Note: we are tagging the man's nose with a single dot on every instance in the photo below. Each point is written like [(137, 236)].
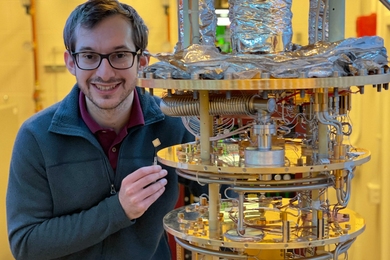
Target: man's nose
[(105, 70)]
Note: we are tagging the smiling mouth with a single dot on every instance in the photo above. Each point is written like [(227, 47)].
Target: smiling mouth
[(105, 87)]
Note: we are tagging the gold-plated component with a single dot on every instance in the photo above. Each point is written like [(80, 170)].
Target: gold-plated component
[(319, 214), (169, 156), (283, 216), (351, 221), (265, 84), (203, 201)]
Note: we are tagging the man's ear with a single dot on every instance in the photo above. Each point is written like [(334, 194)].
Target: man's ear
[(143, 62), (69, 62)]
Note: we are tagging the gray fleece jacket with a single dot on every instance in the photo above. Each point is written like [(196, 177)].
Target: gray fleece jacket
[(59, 198)]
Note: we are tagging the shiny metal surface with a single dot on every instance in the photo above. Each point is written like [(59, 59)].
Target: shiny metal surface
[(257, 157), (249, 184), (206, 251), (207, 21), (349, 57), (260, 26), (265, 84), (183, 229), (169, 157), (318, 21)]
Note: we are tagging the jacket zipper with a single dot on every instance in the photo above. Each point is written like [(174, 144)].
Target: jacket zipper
[(112, 186), (112, 191)]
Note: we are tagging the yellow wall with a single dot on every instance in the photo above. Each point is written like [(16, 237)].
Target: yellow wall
[(8, 114), (16, 77)]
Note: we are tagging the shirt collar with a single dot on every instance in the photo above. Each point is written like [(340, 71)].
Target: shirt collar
[(136, 116)]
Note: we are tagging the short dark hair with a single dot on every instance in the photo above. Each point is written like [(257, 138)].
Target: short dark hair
[(92, 12)]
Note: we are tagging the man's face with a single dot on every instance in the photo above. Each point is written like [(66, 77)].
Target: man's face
[(105, 87)]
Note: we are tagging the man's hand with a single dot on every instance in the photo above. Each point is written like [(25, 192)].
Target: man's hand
[(142, 188)]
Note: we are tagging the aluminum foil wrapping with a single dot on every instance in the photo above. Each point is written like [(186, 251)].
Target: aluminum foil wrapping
[(196, 59), (260, 26), (321, 59), (207, 22), (318, 21), (180, 43)]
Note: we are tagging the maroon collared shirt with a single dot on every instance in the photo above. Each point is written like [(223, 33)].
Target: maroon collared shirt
[(108, 139)]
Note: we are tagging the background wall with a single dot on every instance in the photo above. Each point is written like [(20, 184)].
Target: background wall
[(369, 113)]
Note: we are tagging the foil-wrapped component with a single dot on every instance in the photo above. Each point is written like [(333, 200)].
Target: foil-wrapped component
[(318, 21), (260, 26), (194, 55), (180, 43), (321, 59), (196, 59), (165, 70), (207, 22)]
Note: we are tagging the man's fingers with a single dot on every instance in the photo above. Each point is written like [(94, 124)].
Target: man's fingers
[(142, 188), (142, 172)]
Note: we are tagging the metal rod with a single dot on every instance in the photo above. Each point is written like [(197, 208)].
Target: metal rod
[(195, 22), (205, 126), (214, 210), (231, 177), (240, 225), (205, 251), (186, 25), (278, 189)]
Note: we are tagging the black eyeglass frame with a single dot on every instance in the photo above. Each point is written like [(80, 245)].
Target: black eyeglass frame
[(106, 56)]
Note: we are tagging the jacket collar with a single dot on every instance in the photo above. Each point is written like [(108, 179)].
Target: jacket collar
[(67, 119)]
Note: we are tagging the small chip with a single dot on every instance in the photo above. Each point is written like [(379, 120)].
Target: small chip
[(156, 142)]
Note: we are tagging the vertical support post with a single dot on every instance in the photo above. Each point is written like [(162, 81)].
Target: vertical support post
[(321, 225), (320, 99), (336, 24), (205, 132), (186, 24), (205, 126), (285, 227), (195, 36), (322, 130), (240, 224), (336, 20)]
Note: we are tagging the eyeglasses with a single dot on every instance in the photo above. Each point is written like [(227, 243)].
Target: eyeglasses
[(119, 60)]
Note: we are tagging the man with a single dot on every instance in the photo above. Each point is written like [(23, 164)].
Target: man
[(82, 182)]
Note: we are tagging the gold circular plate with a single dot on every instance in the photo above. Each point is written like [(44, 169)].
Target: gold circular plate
[(201, 236), (265, 84), (169, 156)]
